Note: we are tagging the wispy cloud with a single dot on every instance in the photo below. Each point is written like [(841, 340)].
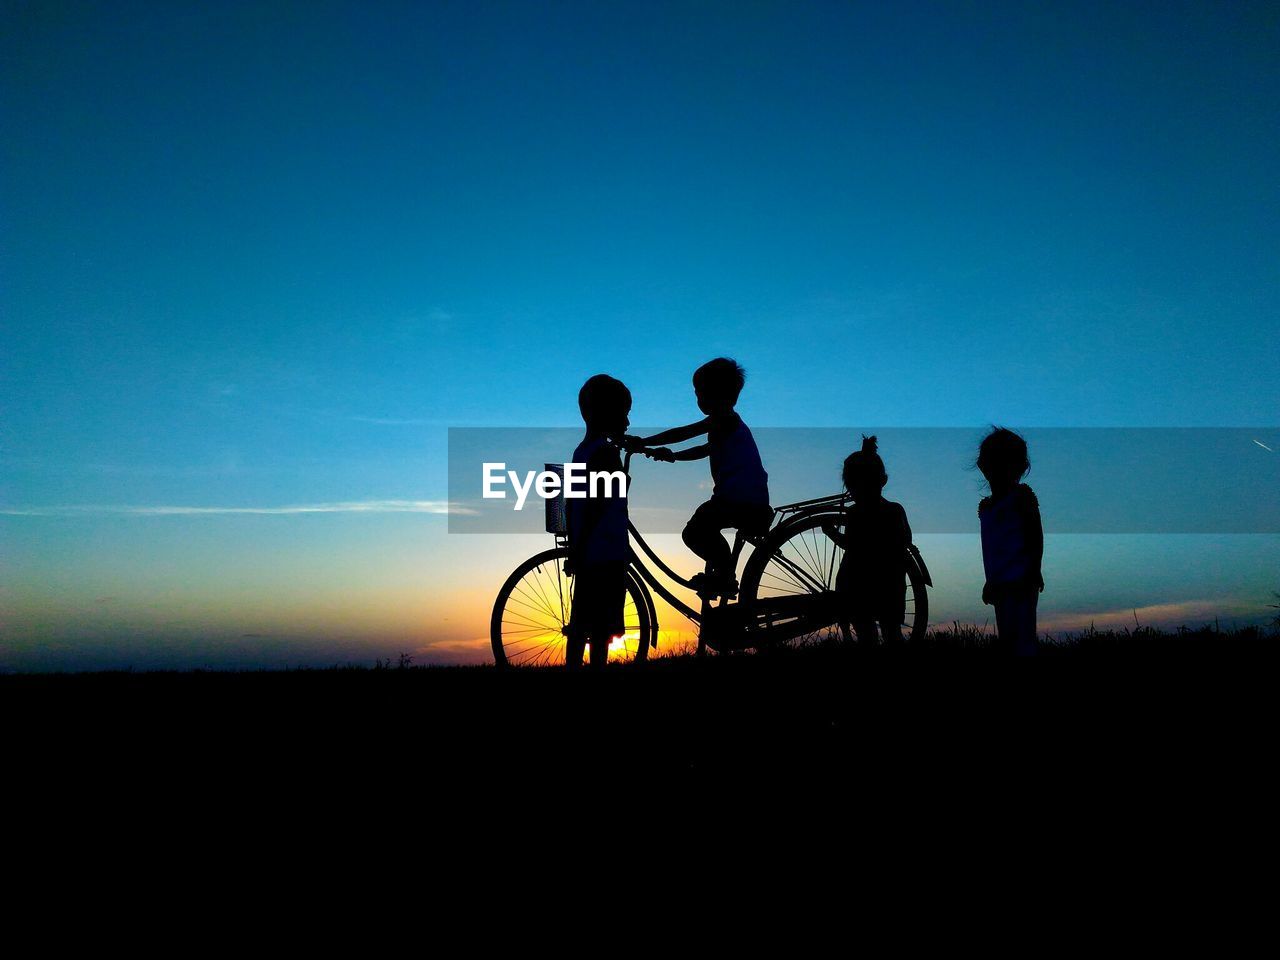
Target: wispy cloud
[(442, 507)]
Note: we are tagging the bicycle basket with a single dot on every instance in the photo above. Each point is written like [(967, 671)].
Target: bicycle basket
[(557, 520)]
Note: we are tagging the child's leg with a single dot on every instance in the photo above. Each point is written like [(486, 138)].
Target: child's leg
[(702, 536), (1016, 624), (1004, 626), (1025, 644), (605, 615), (865, 628), (573, 645), (893, 610), (599, 651)]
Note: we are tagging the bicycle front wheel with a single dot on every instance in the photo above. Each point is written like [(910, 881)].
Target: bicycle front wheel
[(533, 608)]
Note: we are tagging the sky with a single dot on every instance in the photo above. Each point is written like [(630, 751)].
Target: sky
[(262, 256)]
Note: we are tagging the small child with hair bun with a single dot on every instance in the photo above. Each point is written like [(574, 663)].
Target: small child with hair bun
[(872, 581), (1012, 541)]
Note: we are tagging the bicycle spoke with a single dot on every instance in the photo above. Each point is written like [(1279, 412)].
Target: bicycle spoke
[(819, 552), (560, 590), (789, 582), (542, 593), (524, 631), (534, 614), (544, 655), (526, 654), (538, 610), (524, 645), (791, 566), (804, 542), (535, 602), (831, 568), (812, 585), (517, 611)]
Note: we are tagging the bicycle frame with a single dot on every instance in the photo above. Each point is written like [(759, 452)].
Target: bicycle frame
[(654, 583), (783, 515)]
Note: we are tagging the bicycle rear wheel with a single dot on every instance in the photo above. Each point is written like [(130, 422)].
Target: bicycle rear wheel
[(798, 559), (527, 628)]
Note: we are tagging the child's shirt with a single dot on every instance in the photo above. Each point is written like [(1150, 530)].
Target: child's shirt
[(1006, 554), (736, 468), (877, 537), (606, 541)]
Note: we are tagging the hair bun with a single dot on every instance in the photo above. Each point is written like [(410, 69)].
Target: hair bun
[(868, 444)]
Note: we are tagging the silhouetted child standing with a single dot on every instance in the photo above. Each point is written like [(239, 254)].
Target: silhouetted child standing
[(597, 528), (1012, 541), (872, 580), (740, 497)]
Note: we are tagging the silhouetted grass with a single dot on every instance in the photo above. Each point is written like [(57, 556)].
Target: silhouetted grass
[(958, 640)]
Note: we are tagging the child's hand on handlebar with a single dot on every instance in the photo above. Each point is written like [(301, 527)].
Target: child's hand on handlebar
[(631, 444), (660, 453)]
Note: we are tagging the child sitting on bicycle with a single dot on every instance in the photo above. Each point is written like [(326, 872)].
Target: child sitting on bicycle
[(740, 497), (1012, 541), (597, 528), (872, 580)]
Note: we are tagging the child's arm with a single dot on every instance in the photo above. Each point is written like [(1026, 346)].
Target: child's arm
[(988, 590), (679, 434), (838, 538), (689, 453)]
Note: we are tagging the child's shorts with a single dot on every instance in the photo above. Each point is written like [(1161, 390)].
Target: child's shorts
[(599, 595)]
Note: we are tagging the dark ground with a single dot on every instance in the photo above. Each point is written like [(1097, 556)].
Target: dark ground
[(933, 730), (1124, 780)]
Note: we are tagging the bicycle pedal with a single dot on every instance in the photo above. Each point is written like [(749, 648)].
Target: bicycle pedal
[(709, 588)]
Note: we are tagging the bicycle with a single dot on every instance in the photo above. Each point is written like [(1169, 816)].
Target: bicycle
[(786, 595)]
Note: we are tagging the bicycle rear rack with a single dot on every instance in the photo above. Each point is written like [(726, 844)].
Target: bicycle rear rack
[(839, 500)]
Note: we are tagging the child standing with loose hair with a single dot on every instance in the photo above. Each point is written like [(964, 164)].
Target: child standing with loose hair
[(597, 528), (1012, 541), (872, 580)]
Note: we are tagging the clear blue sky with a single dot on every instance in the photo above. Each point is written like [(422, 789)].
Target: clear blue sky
[(258, 255)]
